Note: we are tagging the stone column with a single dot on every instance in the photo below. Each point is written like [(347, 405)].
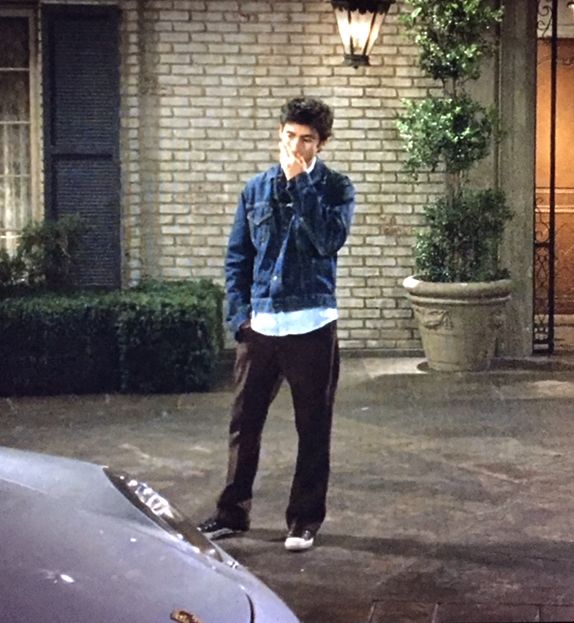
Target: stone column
[(516, 166), (148, 139)]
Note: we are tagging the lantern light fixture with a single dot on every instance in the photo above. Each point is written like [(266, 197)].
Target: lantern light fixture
[(570, 5), (359, 23)]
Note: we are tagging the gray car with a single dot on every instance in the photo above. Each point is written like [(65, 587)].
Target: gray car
[(80, 542)]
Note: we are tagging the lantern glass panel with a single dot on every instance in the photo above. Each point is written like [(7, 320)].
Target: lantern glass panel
[(358, 31)]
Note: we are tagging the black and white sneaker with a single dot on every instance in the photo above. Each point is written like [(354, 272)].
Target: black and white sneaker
[(214, 529), (299, 539)]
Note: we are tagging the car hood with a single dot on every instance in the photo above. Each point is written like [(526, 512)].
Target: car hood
[(75, 549)]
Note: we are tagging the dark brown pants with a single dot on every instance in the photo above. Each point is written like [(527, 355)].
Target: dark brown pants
[(310, 364)]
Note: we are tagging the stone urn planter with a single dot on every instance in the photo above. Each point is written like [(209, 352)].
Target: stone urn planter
[(458, 322)]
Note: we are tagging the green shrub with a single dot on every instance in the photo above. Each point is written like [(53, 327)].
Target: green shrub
[(11, 270), (169, 336), (463, 236), (45, 256), (454, 130), (452, 36), (155, 338), (464, 228), (53, 344)]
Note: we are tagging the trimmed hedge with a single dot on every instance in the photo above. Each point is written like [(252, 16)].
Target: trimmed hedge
[(157, 337)]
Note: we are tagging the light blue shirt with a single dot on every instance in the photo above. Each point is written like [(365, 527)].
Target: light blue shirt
[(292, 323), (295, 322)]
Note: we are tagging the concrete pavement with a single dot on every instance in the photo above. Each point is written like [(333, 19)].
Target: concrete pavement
[(447, 490)]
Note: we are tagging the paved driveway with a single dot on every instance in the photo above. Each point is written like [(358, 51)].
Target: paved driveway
[(445, 488)]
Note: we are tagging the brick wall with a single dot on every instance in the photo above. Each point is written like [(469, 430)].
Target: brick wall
[(203, 84)]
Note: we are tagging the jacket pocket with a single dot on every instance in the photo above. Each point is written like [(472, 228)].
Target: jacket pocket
[(260, 223)]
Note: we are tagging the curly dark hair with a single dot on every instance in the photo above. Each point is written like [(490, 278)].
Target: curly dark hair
[(309, 111)]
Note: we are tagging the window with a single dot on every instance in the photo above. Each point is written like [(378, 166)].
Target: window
[(17, 184)]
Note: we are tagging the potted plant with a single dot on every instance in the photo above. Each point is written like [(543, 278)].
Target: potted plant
[(459, 290)]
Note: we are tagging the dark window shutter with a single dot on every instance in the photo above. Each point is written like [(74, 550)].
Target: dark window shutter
[(81, 132)]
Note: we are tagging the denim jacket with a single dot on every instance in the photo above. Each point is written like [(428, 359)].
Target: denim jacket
[(282, 250)]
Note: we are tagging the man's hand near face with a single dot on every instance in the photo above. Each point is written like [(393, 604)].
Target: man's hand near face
[(291, 163)]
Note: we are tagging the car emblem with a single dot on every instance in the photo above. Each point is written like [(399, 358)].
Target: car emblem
[(181, 616)]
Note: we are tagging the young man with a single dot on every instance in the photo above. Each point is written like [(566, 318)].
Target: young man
[(280, 279)]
